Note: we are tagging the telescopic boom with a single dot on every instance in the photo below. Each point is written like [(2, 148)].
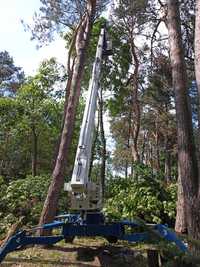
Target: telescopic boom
[(86, 195)]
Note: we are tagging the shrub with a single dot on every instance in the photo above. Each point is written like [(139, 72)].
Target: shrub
[(147, 197), (24, 197)]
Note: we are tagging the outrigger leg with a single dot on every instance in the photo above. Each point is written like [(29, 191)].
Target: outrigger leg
[(74, 225)]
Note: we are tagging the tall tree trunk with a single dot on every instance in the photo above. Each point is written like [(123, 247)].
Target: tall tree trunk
[(157, 149), (70, 69), (188, 167), (197, 53), (143, 157), (135, 103), (168, 167), (150, 155), (34, 151), (126, 169), (197, 67), (127, 163), (82, 40), (181, 223), (167, 160)]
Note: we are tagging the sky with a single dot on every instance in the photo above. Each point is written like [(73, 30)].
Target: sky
[(17, 42)]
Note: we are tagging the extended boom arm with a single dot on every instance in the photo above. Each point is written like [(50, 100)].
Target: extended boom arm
[(86, 195)]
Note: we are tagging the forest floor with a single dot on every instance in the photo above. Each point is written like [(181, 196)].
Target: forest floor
[(82, 253)]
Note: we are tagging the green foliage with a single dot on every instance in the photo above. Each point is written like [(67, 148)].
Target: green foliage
[(145, 197), (11, 77), (3, 187), (91, 51), (24, 198), (169, 204), (36, 110), (59, 16)]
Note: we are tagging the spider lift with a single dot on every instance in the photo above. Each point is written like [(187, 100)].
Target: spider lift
[(86, 196)]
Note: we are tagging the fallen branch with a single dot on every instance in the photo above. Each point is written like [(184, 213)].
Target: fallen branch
[(13, 229)]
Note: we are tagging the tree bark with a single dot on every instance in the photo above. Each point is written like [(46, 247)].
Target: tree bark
[(67, 93), (82, 40), (34, 151), (168, 167), (188, 167), (197, 53), (143, 157), (127, 163), (181, 224), (197, 67), (135, 103), (167, 161), (157, 148)]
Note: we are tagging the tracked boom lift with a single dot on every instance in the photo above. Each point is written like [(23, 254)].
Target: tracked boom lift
[(86, 196)]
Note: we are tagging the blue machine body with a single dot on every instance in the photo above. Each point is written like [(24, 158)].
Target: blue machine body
[(72, 225)]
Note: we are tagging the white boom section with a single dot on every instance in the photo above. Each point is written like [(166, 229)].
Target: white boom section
[(79, 181)]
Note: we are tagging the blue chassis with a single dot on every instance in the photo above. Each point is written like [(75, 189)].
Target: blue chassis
[(94, 225)]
